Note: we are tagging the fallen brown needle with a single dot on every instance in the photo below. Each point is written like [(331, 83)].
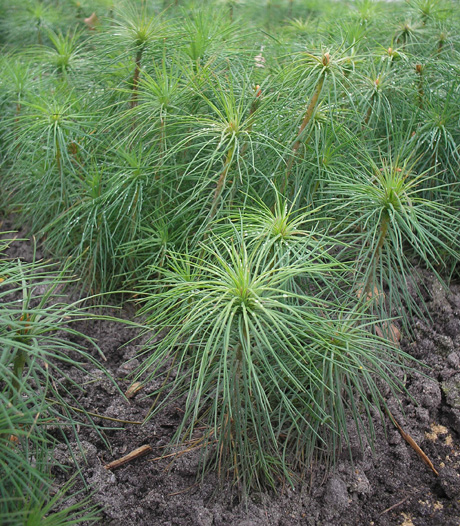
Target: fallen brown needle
[(413, 444), (139, 452)]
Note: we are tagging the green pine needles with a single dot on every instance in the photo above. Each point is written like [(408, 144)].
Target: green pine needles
[(267, 370)]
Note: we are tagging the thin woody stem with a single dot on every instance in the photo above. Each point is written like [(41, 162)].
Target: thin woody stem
[(307, 118), (221, 182), (137, 72), (368, 289), (18, 368), (440, 46), (368, 113), (217, 193), (419, 70), (58, 157), (252, 110)]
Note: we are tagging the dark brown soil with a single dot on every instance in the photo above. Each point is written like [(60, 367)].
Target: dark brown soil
[(387, 486)]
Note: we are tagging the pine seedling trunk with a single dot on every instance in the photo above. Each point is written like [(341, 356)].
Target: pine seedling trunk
[(307, 118)]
